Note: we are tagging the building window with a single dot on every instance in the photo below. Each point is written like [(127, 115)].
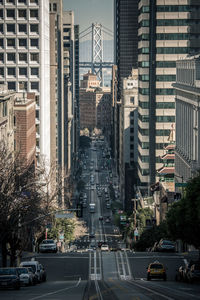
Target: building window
[(22, 42), (34, 43), (23, 71), (1, 43), (12, 85), (34, 13), (11, 28), (1, 71), (172, 50), (34, 57), (22, 1), (10, 13), (34, 1), (23, 85), (22, 28), (11, 57), (1, 28), (54, 7), (5, 109), (132, 100), (10, 1), (165, 77), (22, 13), (11, 42), (1, 57), (34, 28), (23, 57), (165, 64), (145, 50), (1, 13), (165, 92), (144, 77), (167, 119), (35, 71), (35, 86), (173, 22), (11, 71)]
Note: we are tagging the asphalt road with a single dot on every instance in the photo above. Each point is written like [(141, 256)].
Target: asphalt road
[(98, 275)]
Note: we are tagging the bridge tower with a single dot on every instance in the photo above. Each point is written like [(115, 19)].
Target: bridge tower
[(97, 51)]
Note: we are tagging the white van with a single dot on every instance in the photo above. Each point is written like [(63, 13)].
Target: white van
[(35, 265)]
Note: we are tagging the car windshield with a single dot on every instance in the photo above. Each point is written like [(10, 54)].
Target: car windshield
[(30, 269), (7, 271), (168, 243), (156, 266), (22, 270), (48, 242), (32, 266)]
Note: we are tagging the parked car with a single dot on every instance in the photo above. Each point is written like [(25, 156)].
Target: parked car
[(48, 246), (166, 246), (34, 275), (35, 265), (194, 273), (9, 278), (156, 270), (26, 276)]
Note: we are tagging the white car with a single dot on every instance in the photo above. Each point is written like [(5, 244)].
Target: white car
[(26, 277), (104, 247), (48, 246)]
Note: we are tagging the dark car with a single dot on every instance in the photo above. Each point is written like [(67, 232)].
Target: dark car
[(9, 278), (166, 246), (194, 273)]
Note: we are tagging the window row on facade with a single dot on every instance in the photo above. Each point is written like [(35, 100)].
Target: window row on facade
[(22, 57), (165, 50), (23, 71), (21, 42), (159, 105), (145, 91), (14, 28), (166, 8), (145, 77), (159, 64), (159, 132), (23, 85), (167, 119), (14, 2), (11, 13)]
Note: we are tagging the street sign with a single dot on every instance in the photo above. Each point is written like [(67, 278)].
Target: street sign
[(64, 216), (180, 184)]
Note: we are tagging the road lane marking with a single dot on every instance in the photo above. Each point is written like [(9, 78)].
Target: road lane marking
[(150, 290), (58, 291)]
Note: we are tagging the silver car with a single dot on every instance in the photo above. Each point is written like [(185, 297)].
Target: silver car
[(48, 246), (26, 277)]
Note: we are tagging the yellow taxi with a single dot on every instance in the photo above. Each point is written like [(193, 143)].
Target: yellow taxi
[(156, 270)]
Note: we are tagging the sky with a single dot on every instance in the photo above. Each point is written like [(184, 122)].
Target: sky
[(87, 12)]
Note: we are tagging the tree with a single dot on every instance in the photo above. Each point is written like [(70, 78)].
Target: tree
[(27, 197), (183, 219)]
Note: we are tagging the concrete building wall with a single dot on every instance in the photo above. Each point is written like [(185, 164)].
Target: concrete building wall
[(24, 60), (187, 86), (165, 34)]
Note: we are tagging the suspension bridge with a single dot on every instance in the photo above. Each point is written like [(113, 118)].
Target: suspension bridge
[(97, 63)]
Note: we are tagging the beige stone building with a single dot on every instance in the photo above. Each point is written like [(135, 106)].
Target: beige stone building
[(7, 116), (95, 105)]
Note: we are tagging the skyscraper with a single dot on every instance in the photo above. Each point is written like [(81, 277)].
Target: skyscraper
[(24, 58), (167, 33)]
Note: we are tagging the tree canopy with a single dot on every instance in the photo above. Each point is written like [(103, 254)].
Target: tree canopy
[(183, 219)]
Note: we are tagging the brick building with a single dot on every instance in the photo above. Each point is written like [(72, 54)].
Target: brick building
[(24, 127)]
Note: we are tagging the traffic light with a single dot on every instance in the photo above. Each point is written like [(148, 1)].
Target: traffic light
[(79, 210)]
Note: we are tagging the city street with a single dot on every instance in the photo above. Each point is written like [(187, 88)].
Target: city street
[(90, 273)]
